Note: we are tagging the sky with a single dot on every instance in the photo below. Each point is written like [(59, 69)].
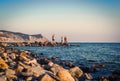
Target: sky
[(79, 20)]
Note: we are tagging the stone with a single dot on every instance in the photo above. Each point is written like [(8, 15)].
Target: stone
[(56, 68), (88, 76), (4, 55), (76, 72), (46, 77), (98, 66), (3, 78), (2, 49), (29, 79), (19, 68), (10, 74), (64, 75), (50, 64), (3, 64), (13, 56)]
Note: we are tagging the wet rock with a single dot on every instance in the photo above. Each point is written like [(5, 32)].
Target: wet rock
[(3, 64), (115, 76), (88, 70), (76, 72), (98, 66), (104, 79), (88, 76), (64, 75), (46, 77), (54, 58)]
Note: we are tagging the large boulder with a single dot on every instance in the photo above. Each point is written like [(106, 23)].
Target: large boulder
[(3, 64), (56, 68), (64, 75), (76, 72), (3, 78), (10, 74), (46, 77)]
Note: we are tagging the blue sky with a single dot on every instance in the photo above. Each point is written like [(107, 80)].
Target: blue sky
[(80, 20)]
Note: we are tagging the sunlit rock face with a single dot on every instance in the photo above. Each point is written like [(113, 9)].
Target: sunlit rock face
[(8, 36)]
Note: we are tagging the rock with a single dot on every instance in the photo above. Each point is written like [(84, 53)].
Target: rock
[(10, 74), (29, 79), (34, 61), (56, 68), (5, 55), (46, 77), (76, 72), (37, 71), (3, 78), (2, 49), (50, 64), (3, 64), (88, 76), (98, 66), (64, 75), (13, 56), (19, 68)]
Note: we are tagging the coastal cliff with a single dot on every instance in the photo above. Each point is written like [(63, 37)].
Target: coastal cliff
[(8, 36)]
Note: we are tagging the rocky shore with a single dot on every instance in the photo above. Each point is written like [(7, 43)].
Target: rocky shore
[(22, 65)]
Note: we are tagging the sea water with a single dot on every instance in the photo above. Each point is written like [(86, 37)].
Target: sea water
[(87, 54)]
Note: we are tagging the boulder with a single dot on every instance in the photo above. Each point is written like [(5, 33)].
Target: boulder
[(88, 76), (46, 77), (4, 55), (3, 64), (13, 56), (10, 74), (3, 78), (19, 68), (64, 75), (56, 68), (76, 72)]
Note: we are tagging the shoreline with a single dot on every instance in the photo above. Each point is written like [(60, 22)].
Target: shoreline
[(18, 64)]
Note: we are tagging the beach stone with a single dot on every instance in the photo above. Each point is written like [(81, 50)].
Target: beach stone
[(37, 71), (29, 79), (19, 68), (2, 49), (10, 74), (3, 64), (3, 78), (98, 66), (88, 76), (34, 61), (5, 55), (50, 64), (56, 68), (46, 77), (64, 75), (76, 72), (13, 56)]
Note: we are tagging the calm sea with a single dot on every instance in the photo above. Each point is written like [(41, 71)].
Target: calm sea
[(87, 54)]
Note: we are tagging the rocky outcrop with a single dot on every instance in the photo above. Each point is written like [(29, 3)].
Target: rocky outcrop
[(8, 36)]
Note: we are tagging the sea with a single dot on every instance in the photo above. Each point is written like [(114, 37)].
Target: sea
[(87, 54)]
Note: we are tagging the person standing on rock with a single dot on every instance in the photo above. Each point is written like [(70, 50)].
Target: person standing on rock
[(65, 40)]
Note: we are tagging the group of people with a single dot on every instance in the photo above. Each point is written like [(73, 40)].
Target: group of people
[(63, 39)]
